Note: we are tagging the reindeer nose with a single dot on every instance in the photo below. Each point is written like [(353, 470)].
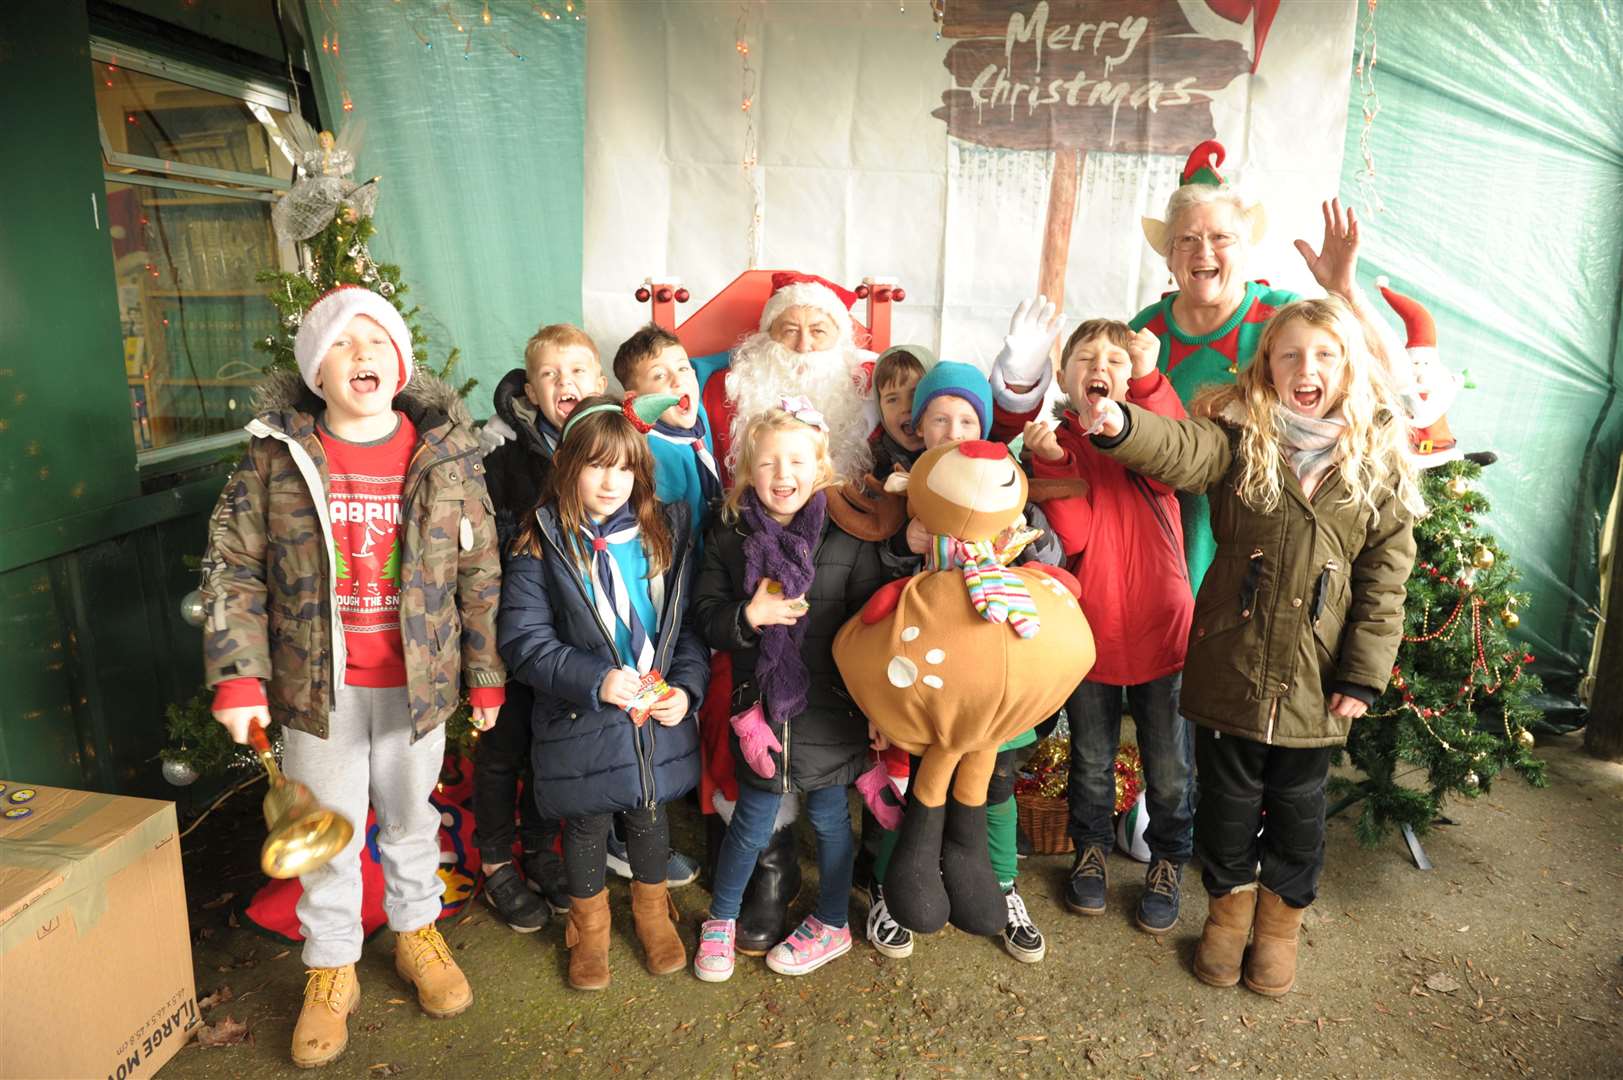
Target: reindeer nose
[(983, 449)]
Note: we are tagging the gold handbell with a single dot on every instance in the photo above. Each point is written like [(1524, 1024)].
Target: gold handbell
[(303, 835)]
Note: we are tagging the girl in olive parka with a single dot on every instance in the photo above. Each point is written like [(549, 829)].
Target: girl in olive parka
[(1299, 618)]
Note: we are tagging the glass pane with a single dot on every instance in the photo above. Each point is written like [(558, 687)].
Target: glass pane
[(191, 310), (153, 117)]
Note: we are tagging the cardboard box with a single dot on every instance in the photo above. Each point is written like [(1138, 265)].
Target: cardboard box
[(95, 950)]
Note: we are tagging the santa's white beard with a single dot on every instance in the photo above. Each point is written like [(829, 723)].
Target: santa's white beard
[(763, 373)]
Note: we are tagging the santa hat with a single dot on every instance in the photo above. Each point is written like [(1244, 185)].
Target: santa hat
[(332, 312), (808, 290)]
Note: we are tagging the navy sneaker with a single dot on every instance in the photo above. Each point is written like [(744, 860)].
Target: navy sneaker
[(1085, 891), (1158, 907), (679, 869)]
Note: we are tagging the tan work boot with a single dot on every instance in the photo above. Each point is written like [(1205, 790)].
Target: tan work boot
[(1222, 942), (654, 912), (588, 939), (322, 1032), (1271, 967), (423, 959)]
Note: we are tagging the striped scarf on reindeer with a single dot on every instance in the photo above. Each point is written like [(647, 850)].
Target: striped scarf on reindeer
[(997, 592)]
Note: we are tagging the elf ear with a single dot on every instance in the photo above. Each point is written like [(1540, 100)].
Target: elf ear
[(896, 483), (1257, 218), (1156, 233)]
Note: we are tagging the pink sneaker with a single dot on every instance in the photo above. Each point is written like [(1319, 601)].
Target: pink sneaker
[(808, 948), (714, 960)]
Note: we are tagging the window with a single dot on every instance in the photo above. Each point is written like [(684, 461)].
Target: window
[(193, 160)]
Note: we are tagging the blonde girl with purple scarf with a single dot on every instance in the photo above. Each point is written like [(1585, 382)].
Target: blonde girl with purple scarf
[(1299, 618), (779, 579)]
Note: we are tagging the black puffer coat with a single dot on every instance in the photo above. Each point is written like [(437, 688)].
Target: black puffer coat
[(516, 472), (825, 745)]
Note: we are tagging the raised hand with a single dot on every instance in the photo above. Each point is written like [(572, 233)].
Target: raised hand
[(1144, 351), (1335, 264), (1023, 360)]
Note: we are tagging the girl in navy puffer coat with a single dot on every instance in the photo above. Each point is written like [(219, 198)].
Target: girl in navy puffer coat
[(592, 617)]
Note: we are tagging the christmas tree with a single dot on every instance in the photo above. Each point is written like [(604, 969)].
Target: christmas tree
[(1459, 703)]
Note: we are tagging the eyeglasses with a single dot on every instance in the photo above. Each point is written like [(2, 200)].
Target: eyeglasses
[(1187, 242)]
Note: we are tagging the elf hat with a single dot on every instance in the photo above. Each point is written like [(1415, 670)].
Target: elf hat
[(332, 312), (808, 290), (1201, 168), (955, 379)]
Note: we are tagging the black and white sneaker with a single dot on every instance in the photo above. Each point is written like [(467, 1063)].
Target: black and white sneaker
[(545, 872), (518, 907), (680, 870), (884, 933), (1021, 937)]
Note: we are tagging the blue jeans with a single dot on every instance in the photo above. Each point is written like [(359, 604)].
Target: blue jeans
[(1166, 744), (750, 831)]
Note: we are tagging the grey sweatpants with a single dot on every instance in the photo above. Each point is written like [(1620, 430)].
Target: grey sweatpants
[(368, 758)]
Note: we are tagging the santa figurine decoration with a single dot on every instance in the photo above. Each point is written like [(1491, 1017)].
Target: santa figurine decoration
[(1432, 387)]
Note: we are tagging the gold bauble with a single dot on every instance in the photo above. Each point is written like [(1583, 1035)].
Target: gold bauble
[(1459, 487), (1482, 559), (1510, 619), (1524, 739)]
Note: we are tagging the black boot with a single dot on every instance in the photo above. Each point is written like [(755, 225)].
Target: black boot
[(978, 906), (715, 833), (763, 916), (913, 889)]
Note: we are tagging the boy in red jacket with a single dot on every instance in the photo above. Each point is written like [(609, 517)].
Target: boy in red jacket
[(1124, 543)]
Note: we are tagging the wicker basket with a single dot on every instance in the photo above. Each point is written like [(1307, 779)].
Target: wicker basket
[(1045, 819)]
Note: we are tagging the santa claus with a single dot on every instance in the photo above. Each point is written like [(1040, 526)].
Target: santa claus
[(804, 347)]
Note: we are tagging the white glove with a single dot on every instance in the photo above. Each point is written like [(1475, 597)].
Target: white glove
[(493, 433), (1023, 360)]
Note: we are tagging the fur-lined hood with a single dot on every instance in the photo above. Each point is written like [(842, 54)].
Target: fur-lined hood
[(285, 403)]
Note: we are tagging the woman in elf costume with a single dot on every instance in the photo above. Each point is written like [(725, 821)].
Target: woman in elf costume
[(1209, 324)]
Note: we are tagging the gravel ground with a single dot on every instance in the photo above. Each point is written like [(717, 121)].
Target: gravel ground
[(1503, 961)]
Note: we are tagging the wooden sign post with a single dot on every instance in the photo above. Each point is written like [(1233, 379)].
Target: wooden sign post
[(1123, 76)]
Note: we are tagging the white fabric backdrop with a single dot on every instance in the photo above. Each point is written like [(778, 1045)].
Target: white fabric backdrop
[(859, 178)]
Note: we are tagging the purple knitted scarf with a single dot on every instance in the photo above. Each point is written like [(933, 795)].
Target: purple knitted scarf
[(784, 554)]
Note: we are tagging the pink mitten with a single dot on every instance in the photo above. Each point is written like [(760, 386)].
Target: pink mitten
[(756, 741), (872, 785)]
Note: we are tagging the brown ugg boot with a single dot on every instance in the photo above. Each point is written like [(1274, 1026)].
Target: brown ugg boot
[(322, 1031), (1270, 969), (1222, 942), (588, 939), (422, 958), (654, 911)]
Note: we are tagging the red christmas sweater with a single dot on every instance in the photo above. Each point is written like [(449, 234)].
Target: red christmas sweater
[(1124, 543), (365, 483)]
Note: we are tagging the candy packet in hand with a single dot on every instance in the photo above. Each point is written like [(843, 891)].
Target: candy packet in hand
[(651, 689)]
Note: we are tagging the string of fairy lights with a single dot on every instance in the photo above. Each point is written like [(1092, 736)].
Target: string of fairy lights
[(467, 26), (1368, 55)]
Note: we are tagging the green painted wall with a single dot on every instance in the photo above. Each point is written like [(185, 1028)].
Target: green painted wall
[(65, 442)]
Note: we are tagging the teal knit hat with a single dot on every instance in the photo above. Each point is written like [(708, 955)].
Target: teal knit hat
[(956, 379)]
